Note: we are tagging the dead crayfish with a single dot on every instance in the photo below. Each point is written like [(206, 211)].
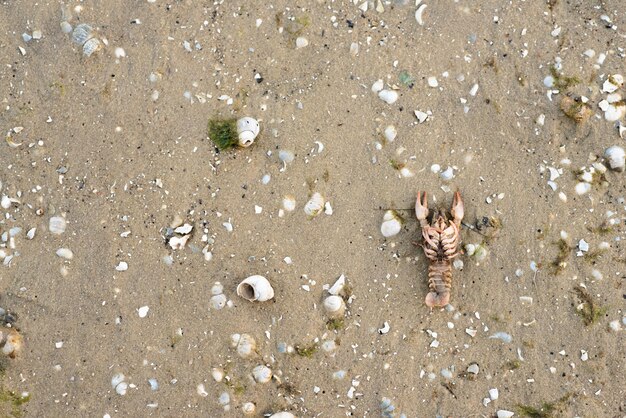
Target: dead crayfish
[(442, 240)]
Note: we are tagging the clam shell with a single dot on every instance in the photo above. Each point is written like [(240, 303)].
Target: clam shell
[(334, 306), (92, 45), (82, 33), (262, 374), (616, 157), (255, 288)]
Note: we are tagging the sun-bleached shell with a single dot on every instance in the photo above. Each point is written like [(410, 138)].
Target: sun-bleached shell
[(334, 306), (392, 224), (255, 288)]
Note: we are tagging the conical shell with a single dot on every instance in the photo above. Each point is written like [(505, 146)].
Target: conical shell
[(247, 128), (334, 306), (255, 288)]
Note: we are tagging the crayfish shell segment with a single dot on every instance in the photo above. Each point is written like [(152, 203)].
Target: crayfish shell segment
[(247, 129), (91, 46), (82, 33)]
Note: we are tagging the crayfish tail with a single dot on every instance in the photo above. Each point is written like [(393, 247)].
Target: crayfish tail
[(437, 300)]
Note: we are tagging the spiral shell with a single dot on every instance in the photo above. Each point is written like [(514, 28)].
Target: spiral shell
[(255, 288), (247, 129), (334, 306)]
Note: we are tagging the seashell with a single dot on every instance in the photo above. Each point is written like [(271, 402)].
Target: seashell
[(283, 415), (494, 394), (121, 389), (613, 83), (12, 344), (117, 379), (245, 344), (473, 368), (392, 224), (378, 86), (447, 174), (315, 205), (218, 302), (218, 374), (57, 225), (82, 33), (418, 14), (390, 133), (301, 42), (65, 253), (247, 128), (285, 156), (92, 45), (503, 413), (334, 306), (66, 27), (262, 374), (289, 203), (255, 288), (248, 408), (615, 157), (388, 96), (503, 336)]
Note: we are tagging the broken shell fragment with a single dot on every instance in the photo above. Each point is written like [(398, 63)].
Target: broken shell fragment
[(262, 374), (245, 344), (283, 415), (390, 133), (315, 205), (392, 224), (334, 306), (255, 288), (57, 225), (388, 96), (247, 129), (615, 157), (418, 14)]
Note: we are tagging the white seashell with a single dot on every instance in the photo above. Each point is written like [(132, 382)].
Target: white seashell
[(334, 306), (65, 253), (503, 413), (255, 288), (66, 27), (616, 157), (92, 45), (5, 202), (178, 243), (421, 116), (418, 14), (447, 174), (473, 368), (121, 389), (154, 384), (184, 230), (301, 42), (582, 188), (122, 266), (31, 233), (388, 96), (493, 394), (289, 203), (315, 205), (615, 112), (283, 415), (378, 86), (392, 224), (613, 83), (117, 379), (432, 82), (57, 225), (224, 399), (143, 311), (248, 408), (337, 287), (503, 336), (218, 374), (390, 133), (246, 345), (262, 374), (82, 33), (247, 128), (285, 156), (218, 301), (435, 168)]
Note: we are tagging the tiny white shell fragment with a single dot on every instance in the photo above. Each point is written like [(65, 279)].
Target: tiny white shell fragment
[(5, 202), (334, 306), (503, 336), (582, 188), (31, 233), (418, 14), (247, 128), (503, 413), (301, 42), (121, 389), (432, 82), (66, 27), (385, 329), (616, 157), (289, 203), (390, 133), (255, 288), (474, 90), (421, 116), (117, 379), (248, 408), (143, 311), (473, 368), (328, 209), (178, 243), (378, 86), (218, 374), (184, 230), (392, 224), (315, 205), (338, 286), (119, 52), (493, 394), (122, 266), (354, 48), (228, 226), (285, 156), (82, 33), (201, 391), (435, 168), (447, 174), (262, 374), (154, 384), (388, 96), (283, 414), (246, 345), (57, 225), (65, 253), (218, 302)]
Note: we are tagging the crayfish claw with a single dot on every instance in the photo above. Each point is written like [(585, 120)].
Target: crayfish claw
[(421, 207), (458, 209)]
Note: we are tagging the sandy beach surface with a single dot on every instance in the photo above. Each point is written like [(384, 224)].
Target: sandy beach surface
[(514, 104)]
